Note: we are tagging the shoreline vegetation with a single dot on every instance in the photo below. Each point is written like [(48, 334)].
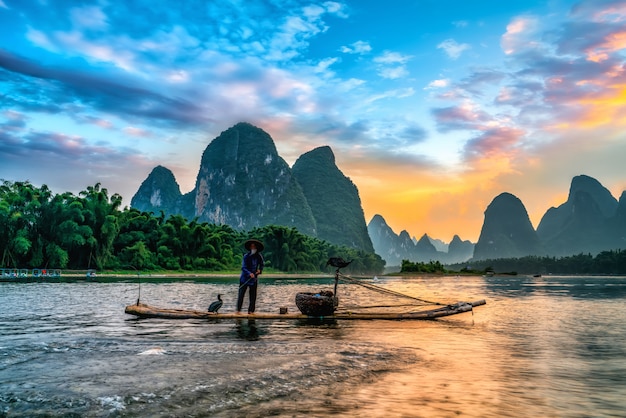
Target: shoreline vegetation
[(228, 276), (63, 232), (91, 230)]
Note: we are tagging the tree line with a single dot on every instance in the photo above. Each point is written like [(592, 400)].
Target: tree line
[(40, 229), (605, 262), (421, 267)]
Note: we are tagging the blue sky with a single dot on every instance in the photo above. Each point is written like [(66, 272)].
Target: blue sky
[(432, 108)]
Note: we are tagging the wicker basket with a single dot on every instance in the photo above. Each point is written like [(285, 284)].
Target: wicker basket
[(317, 304)]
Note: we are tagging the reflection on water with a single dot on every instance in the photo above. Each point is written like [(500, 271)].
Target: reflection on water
[(549, 346), (247, 329)]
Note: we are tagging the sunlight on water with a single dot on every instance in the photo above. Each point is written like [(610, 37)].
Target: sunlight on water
[(551, 346)]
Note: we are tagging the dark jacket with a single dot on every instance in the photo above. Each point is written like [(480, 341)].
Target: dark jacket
[(251, 263)]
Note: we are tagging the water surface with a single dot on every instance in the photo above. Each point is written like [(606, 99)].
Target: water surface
[(548, 346)]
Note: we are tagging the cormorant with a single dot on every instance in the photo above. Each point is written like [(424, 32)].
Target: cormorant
[(338, 262), (215, 306)]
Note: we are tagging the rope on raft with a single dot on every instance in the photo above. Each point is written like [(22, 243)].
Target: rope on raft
[(379, 289)]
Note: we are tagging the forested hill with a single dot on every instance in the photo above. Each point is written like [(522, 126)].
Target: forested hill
[(243, 182), (40, 229), (333, 198)]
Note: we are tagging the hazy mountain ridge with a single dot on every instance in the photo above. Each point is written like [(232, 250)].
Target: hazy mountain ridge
[(590, 221), (394, 248), (583, 222)]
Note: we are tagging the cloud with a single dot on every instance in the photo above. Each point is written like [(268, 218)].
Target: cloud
[(40, 39), (358, 47), (393, 72), (324, 65), (293, 34), (15, 121), (361, 139), (493, 143), (481, 80), (466, 116), (520, 93), (452, 48), (326, 128), (10, 145), (137, 132), (600, 10), (89, 18), (38, 146), (575, 78), (101, 92), (601, 40), (437, 84), (413, 134), (558, 78), (520, 35), (393, 94), (173, 75), (390, 65), (390, 57), (350, 84), (70, 163), (93, 120)]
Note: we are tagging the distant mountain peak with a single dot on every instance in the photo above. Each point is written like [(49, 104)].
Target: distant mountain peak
[(323, 152), (244, 183), (333, 198), (600, 194), (158, 192), (395, 248), (507, 231), (582, 223)]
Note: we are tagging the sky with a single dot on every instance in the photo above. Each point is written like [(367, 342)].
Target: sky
[(432, 108)]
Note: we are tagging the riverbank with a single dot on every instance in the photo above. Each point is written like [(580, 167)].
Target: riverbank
[(74, 276), (106, 276)]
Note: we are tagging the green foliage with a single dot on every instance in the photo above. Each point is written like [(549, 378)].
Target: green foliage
[(606, 262), (288, 250), (419, 267), (38, 229)]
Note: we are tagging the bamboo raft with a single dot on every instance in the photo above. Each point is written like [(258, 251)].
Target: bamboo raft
[(142, 310)]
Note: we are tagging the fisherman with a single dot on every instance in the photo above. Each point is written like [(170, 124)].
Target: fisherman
[(251, 268)]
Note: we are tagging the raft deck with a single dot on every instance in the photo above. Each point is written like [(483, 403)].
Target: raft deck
[(145, 311)]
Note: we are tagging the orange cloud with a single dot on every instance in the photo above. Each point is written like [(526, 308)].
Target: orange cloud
[(605, 109), (612, 43)]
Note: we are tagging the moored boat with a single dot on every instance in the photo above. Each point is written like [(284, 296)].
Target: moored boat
[(23, 275)]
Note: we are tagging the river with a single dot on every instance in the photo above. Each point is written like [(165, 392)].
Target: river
[(549, 346)]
